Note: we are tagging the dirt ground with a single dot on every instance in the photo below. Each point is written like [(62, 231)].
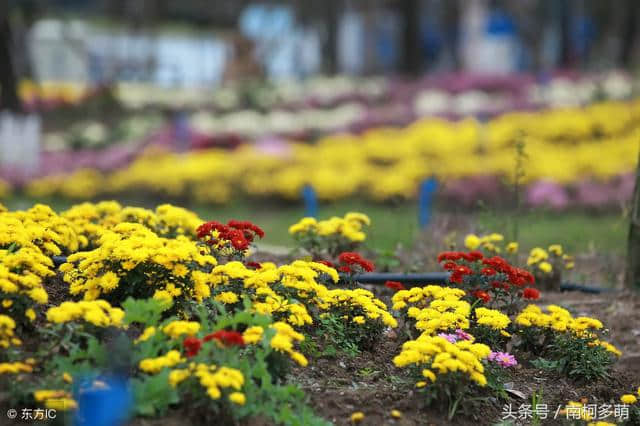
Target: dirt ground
[(370, 382)]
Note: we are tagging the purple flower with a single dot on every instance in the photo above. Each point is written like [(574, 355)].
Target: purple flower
[(452, 338), (503, 359), (463, 335)]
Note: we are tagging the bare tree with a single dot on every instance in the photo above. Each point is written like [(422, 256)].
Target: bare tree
[(633, 246), (8, 93), (331, 15), (411, 57)]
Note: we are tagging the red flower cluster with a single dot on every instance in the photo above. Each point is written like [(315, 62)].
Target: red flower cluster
[(394, 285), (531, 293), (325, 263), (484, 275), (239, 233), (454, 256), (483, 295), (227, 338), (349, 259), (192, 345)]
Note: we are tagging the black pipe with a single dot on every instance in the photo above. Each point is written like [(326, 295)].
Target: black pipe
[(58, 260), (410, 279), (414, 280)]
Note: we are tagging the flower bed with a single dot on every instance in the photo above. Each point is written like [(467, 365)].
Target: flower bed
[(165, 315), (571, 157)]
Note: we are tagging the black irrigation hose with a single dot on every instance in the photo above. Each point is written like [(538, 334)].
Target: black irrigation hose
[(58, 260), (412, 280)]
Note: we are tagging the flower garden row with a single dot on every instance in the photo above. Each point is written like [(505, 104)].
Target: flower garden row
[(174, 307), (465, 91), (566, 147)]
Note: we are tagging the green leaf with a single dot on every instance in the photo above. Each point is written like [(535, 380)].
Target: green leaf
[(153, 394), (144, 311)]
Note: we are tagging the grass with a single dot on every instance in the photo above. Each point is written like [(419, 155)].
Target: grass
[(577, 231)]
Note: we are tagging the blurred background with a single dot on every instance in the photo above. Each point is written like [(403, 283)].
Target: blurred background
[(512, 110)]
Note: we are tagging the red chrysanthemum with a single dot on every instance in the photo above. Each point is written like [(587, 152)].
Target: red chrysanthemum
[(531, 293), (227, 338), (394, 285), (192, 346), (352, 258), (450, 266), (475, 255), (456, 278), (496, 284), (349, 257), (463, 270), (449, 255), (325, 263), (253, 265), (367, 265), (483, 295), (488, 271), (238, 240)]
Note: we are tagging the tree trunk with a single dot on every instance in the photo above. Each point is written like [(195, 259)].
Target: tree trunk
[(331, 41), (8, 94), (633, 247), (411, 58), (629, 31)]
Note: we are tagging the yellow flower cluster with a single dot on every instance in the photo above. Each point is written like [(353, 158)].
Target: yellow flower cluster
[(27, 240), (7, 332), (41, 226), (438, 354), (97, 312), (359, 305), (441, 315), (545, 260), (167, 264), (487, 242), (175, 329), (434, 308), (90, 220), (21, 273), (561, 320), (212, 378), (270, 287), (283, 341), (422, 296), (608, 346), (15, 367), (628, 399), (558, 319), (348, 227), (492, 318), (55, 399), (146, 334), (253, 335), (155, 365)]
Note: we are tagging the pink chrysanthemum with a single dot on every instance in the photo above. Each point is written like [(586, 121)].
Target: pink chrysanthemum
[(503, 359)]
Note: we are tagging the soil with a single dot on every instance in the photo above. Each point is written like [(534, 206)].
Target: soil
[(370, 383)]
